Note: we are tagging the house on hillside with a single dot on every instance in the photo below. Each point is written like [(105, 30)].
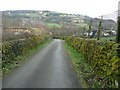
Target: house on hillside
[(109, 33)]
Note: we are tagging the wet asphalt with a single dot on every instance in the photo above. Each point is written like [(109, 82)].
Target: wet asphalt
[(49, 68)]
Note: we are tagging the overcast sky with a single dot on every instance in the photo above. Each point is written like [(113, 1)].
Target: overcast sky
[(92, 8)]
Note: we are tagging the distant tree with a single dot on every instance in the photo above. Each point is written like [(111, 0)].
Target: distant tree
[(83, 33), (99, 29), (6, 21), (89, 29)]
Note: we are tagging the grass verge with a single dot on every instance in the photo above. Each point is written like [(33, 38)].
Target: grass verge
[(78, 62), (0, 67), (20, 59)]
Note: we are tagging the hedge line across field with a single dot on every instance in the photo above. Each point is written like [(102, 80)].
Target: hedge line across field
[(102, 57)]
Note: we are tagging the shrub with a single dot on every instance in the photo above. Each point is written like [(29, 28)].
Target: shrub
[(102, 57), (13, 49)]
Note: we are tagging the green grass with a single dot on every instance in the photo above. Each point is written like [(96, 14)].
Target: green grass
[(78, 61), (53, 25), (0, 67), (0, 60), (106, 38), (21, 59), (82, 25)]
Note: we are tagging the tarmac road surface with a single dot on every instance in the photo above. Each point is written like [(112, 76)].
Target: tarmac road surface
[(49, 68)]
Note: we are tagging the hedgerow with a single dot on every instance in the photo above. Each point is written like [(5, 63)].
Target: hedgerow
[(13, 49), (102, 58)]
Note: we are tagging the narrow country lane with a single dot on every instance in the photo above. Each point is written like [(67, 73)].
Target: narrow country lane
[(49, 68)]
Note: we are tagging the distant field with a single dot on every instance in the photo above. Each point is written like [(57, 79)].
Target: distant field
[(36, 31), (107, 38), (26, 15), (52, 25), (83, 25)]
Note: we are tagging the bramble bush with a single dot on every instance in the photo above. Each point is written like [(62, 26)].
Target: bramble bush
[(103, 59)]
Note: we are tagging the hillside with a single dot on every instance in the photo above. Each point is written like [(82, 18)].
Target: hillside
[(28, 18)]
